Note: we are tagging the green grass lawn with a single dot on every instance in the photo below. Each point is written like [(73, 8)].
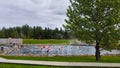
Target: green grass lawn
[(110, 59), (2, 65), (5, 65), (45, 41)]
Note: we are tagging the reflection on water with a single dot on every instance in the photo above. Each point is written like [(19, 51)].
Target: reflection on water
[(61, 50)]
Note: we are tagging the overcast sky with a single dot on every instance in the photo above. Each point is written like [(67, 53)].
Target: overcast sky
[(45, 13)]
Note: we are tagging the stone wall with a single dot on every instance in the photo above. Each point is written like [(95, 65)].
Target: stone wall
[(11, 41)]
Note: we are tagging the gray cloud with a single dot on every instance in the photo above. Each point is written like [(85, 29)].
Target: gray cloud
[(45, 13)]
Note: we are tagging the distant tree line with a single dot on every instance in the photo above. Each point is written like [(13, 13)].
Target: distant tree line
[(36, 32)]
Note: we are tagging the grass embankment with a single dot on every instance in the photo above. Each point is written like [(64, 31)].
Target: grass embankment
[(110, 59), (45, 41)]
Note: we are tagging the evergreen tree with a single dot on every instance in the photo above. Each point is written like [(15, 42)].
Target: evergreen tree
[(26, 30), (35, 32)]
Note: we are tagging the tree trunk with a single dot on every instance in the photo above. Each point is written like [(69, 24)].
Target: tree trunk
[(97, 54)]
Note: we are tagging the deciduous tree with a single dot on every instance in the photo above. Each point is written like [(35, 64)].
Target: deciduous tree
[(96, 21)]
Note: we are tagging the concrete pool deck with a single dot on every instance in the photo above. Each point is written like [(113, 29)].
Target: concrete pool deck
[(54, 63)]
